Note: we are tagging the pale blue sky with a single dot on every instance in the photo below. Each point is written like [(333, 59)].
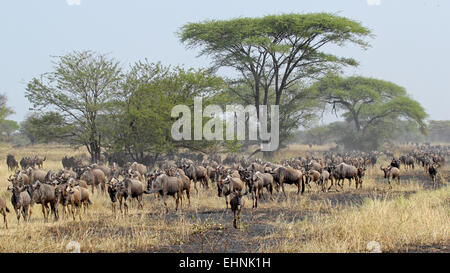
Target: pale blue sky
[(410, 47)]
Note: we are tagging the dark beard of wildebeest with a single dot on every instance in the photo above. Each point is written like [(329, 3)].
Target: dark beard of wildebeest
[(229, 185), (3, 210), (166, 185), (258, 182), (11, 162), (288, 175), (45, 195), (21, 202)]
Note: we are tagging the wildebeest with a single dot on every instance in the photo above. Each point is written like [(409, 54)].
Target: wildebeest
[(391, 172), (432, 171), (118, 193), (141, 168), (27, 162), (45, 195), (288, 175), (196, 173), (236, 204), (3, 210), (228, 185), (71, 162), (344, 171), (11, 162), (258, 182), (21, 202), (94, 177), (167, 185), (39, 161), (36, 175)]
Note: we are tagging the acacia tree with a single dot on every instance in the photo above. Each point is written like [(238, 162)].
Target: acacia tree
[(373, 106), (140, 117), (79, 89), (275, 52)]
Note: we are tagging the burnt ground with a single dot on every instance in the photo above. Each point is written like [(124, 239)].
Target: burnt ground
[(217, 234)]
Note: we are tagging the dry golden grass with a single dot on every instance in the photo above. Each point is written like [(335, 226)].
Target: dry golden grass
[(409, 214)]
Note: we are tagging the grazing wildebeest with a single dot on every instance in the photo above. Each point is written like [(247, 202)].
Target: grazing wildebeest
[(391, 172), (288, 175), (3, 210), (236, 204), (11, 162), (166, 185)]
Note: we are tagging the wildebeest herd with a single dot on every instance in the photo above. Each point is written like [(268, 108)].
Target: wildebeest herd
[(71, 187)]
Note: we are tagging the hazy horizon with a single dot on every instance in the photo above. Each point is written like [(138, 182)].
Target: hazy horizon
[(408, 48)]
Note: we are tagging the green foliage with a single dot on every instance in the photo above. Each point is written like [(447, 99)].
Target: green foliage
[(7, 129), (48, 127), (79, 88), (276, 54), (374, 107), (141, 121)]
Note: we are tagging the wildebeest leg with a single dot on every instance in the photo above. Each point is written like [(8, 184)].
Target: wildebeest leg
[(3, 211), (113, 208), (226, 202), (176, 197), (165, 202), (44, 210), (29, 210), (188, 194), (17, 214), (195, 186), (125, 204), (140, 204), (282, 188), (24, 215)]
